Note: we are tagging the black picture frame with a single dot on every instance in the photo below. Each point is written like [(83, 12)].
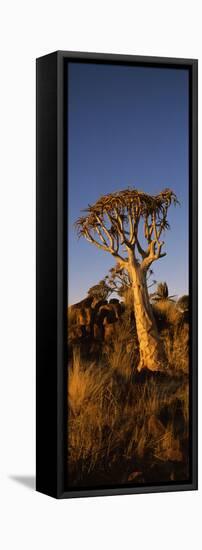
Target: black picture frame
[(51, 271)]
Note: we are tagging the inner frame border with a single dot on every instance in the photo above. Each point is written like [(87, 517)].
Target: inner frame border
[(63, 58)]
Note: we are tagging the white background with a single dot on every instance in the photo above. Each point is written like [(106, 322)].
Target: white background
[(27, 30)]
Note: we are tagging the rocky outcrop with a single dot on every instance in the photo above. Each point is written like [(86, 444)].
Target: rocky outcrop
[(94, 318)]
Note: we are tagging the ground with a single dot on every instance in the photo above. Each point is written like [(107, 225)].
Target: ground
[(126, 427)]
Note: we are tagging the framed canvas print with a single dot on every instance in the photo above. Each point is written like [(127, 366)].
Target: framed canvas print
[(116, 274)]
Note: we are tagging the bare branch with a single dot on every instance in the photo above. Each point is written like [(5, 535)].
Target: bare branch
[(91, 239), (131, 227), (154, 253), (114, 253), (140, 249), (101, 222), (100, 235)]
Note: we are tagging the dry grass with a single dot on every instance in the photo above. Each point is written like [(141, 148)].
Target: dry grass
[(174, 330), (92, 407), (176, 344), (122, 352), (123, 427), (117, 425), (83, 387), (166, 311)]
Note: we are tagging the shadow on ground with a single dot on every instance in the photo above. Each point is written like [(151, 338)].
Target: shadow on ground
[(27, 481)]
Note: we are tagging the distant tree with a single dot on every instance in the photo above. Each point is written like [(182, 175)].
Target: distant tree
[(116, 282), (162, 293), (113, 225), (101, 291), (120, 282)]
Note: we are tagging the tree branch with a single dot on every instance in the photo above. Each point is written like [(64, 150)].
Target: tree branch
[(114, 253), (93, 240), (105, 230), (121, 229), (153, 254), (100, 235)]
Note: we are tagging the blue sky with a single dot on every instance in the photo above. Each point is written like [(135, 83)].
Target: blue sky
[(127, 126)]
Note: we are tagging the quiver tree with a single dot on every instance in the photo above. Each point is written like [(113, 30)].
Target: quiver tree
[(117, 282), (129, 225), (120, 282)]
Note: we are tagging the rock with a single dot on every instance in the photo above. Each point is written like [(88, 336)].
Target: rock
[(108, 331), (76, 332), (97, 331)]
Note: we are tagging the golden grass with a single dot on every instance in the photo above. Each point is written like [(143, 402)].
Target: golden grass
[(83, 387), (176, 346), (122, 353), (166, 310), (114, 423), (118, 423)]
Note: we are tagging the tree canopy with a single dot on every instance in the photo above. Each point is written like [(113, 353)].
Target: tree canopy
[(113, 222)]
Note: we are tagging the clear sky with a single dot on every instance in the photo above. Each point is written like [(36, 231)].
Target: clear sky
[(127, 126)]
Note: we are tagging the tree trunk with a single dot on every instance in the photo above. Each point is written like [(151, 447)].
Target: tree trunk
[(151, 347)]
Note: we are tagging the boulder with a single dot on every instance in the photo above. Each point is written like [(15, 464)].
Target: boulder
[(97, 331), (108, 330)]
